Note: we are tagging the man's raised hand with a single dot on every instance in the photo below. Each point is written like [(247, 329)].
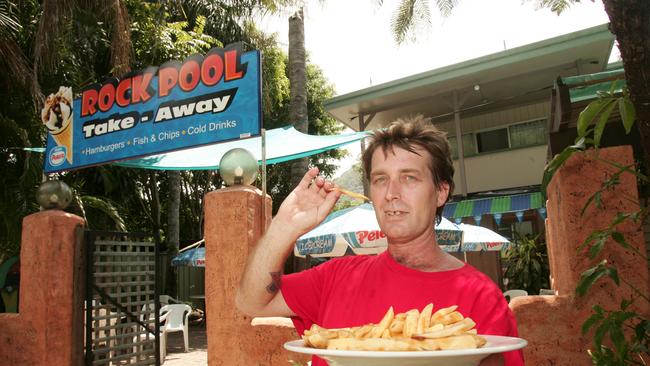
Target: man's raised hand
[(308, 204)]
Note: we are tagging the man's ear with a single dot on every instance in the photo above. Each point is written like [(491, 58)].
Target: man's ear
[(443, 192)]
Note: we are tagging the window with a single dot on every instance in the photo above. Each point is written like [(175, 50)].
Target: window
[(492, 140), (469, 147), (528, 133), (531, 133)]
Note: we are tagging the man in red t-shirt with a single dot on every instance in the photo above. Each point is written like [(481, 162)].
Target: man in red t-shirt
[(410, 173)]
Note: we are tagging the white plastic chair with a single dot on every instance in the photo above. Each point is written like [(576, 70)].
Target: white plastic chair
[(149, 309), (177, 320), (511, 294), (166, 300)]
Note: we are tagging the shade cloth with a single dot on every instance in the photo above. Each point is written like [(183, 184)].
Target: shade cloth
[(282, 144)]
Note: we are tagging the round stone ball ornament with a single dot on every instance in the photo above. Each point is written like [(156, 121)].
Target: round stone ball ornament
[(54, 195), (238, 166)]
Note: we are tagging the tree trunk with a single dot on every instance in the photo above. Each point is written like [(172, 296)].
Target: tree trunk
[(630, 23), (173, 226), (155, 202), (298, 93)]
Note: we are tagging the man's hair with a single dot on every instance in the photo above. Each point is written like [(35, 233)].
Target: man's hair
[(408, 134)]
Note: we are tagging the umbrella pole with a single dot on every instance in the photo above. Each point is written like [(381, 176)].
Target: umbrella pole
[(263, 180)]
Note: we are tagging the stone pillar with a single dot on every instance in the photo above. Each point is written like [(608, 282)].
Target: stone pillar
[(552, 324), (47, 328), (233, 225)]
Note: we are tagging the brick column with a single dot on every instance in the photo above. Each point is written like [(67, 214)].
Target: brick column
[(47, 329), (233, 225), (552, 324)]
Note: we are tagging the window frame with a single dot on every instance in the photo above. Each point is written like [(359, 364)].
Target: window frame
[(473, 144), (504, 127), (507, 127)]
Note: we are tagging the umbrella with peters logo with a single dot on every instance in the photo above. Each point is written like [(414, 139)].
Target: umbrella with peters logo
[(357, 228), (192, 255)]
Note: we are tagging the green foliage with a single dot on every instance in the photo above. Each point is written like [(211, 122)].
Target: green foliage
[(352, 180), (620, 336), (626, 331), (106, 210), (8, 24), (158, 37), (527, 264), (411, 15), (597, 113), (113, 197), (275, 95), (593, 274), (556, 6)]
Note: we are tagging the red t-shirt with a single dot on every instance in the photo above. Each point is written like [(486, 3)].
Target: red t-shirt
[(357, 290)]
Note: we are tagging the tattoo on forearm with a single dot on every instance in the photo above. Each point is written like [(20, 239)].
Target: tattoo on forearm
[(276, 280)]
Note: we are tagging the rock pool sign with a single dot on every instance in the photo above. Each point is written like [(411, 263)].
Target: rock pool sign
[(200, 101)]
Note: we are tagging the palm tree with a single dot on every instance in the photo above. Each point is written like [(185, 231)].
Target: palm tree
[(298, 82), (173, 222), (47, 43)]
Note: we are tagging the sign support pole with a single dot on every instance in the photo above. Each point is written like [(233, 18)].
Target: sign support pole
[(263, 138)]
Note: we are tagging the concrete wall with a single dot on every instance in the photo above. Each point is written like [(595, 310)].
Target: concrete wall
[(233, 225), (507, 116), (48, 328), (552, 324), (505, 169)]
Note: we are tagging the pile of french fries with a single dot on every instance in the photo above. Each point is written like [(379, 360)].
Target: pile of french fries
[(414, 330)]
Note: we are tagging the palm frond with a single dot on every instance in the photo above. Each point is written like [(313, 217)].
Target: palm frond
[(410, 16), (422, 14), (11, 55), (276, 6), (556, 6), (377, 4), (106, 207), (8, 24), (446, 6), (15, 62), (402, 20)]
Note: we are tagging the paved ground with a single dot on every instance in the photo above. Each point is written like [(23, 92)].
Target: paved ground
[(198, 348)]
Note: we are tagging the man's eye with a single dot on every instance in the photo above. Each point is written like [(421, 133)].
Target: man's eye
[(409, 178), (379, 180)]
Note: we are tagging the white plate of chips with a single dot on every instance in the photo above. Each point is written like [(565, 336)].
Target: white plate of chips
[(457, 357)]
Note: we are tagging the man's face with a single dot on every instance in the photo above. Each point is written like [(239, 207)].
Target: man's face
[(403, 193)]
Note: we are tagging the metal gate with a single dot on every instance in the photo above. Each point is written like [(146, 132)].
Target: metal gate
[(122, 302)]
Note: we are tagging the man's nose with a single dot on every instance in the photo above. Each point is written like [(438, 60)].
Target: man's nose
[(394, 190)]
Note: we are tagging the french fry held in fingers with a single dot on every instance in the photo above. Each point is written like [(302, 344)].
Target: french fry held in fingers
[(414, 330), (356, 195)]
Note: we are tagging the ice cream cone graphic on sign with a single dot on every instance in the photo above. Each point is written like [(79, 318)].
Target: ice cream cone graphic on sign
[(57, 117)]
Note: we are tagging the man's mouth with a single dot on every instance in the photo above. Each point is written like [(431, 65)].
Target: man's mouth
[(395, 213)]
